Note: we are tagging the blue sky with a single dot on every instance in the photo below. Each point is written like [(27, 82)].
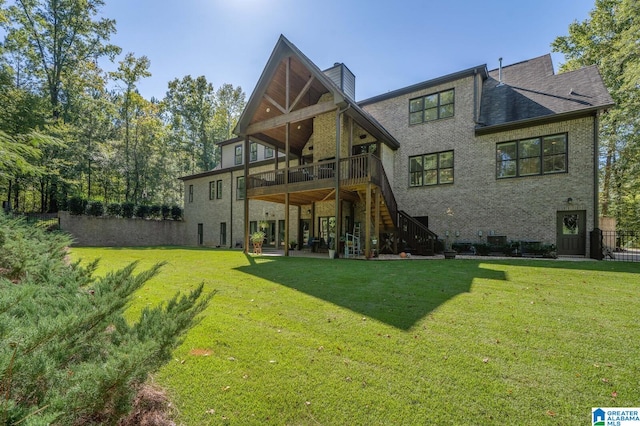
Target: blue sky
[(387, 44)]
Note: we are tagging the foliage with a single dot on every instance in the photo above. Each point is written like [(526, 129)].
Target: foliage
[(305, 341), (114, 209), (608, 39), (128, 209), (176, 212), (95, 208), (142, 211), (77, 205), (68, 354), (257, 237), (166, 211)]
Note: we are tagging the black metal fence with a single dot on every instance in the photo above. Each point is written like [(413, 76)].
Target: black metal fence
[(622, 246)]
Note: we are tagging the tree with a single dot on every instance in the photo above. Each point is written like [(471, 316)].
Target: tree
[(191, 103), (69, 356), (55, 38), (609, 39), (130, 71)]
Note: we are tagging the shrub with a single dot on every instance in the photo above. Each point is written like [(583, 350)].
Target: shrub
[(114, 209), (128, 209), (155, 211), (166, 211), (482, 249), (69, 356), (176, 212), (77, 206), (95, 208), (142, 211)]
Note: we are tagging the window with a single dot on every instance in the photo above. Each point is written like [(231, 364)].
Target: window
[(531, 157), (191, 193), (268, 152), (240, 188), (219, 189), (431, 107), (223, 233), (238, 156), (253, 152), (431, 169), (212, 190)]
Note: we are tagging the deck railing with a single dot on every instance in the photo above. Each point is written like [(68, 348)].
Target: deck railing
[(353, 170), (420, 239)]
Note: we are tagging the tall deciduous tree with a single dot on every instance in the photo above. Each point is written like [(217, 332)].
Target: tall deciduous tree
[(55, 38), (129, 73), (609, 38)]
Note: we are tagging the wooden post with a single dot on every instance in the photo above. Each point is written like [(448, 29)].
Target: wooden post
[(286, 182), (367, 222), (246, 199), (377, 212)]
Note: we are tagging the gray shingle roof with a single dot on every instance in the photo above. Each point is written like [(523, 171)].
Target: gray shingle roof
[(531, 90)]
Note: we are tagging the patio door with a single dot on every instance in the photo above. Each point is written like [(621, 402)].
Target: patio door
[(571, 232)]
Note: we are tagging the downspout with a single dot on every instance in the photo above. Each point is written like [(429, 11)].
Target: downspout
[(596, 180), (231, 212)]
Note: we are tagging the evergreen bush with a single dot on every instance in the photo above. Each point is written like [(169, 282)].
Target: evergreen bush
[(142, 211), (128, 209), (114, 209), (77, 205), (68, 356), (166, 211), (155, 211), (95, 208), (176, 212)]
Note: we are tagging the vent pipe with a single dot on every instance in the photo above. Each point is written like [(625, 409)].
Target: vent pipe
[(500, 83)]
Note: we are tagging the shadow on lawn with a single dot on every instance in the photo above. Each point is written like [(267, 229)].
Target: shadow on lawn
[(396, 293)]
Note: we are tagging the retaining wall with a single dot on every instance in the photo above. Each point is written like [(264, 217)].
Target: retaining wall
[(118, 232)]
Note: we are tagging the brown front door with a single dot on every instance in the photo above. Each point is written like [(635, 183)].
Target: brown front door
[(572, 233)]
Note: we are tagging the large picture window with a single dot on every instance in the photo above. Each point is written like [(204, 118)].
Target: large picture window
[(431, 169), (533, 156), (432, 107)]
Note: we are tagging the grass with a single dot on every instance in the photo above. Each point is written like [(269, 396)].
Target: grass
[(298, 341)]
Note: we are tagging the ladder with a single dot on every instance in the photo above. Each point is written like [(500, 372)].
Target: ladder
[(352, 242)]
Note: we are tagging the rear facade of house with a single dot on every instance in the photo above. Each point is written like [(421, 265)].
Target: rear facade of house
[(475, 156)]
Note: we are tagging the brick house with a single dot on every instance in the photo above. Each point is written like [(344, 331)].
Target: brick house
[(475, 156)]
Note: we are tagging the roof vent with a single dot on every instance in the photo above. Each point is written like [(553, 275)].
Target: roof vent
[(500, 83)]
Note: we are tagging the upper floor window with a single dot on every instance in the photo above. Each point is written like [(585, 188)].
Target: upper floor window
[(240, 189), (268, 152), (431, 107), (218, 189), (431, 169), (238, 156), (191, 193), (253, 152), (212, 190), (534, 156)]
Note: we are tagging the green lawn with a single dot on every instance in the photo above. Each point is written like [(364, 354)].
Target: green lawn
[(298, 341)]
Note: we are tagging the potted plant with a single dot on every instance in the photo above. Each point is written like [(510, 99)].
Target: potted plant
[(332, 248), (293, 244), (257, 238)]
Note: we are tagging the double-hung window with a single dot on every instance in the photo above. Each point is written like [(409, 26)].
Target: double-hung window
[(432, 107), (240, 188), (238, 154), (253, 152), (532, 156), (218, 189), (431, 169)]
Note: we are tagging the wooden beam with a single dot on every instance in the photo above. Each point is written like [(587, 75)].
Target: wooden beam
[(376, 226), (304, 90), (274, 103), (298, 115)]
